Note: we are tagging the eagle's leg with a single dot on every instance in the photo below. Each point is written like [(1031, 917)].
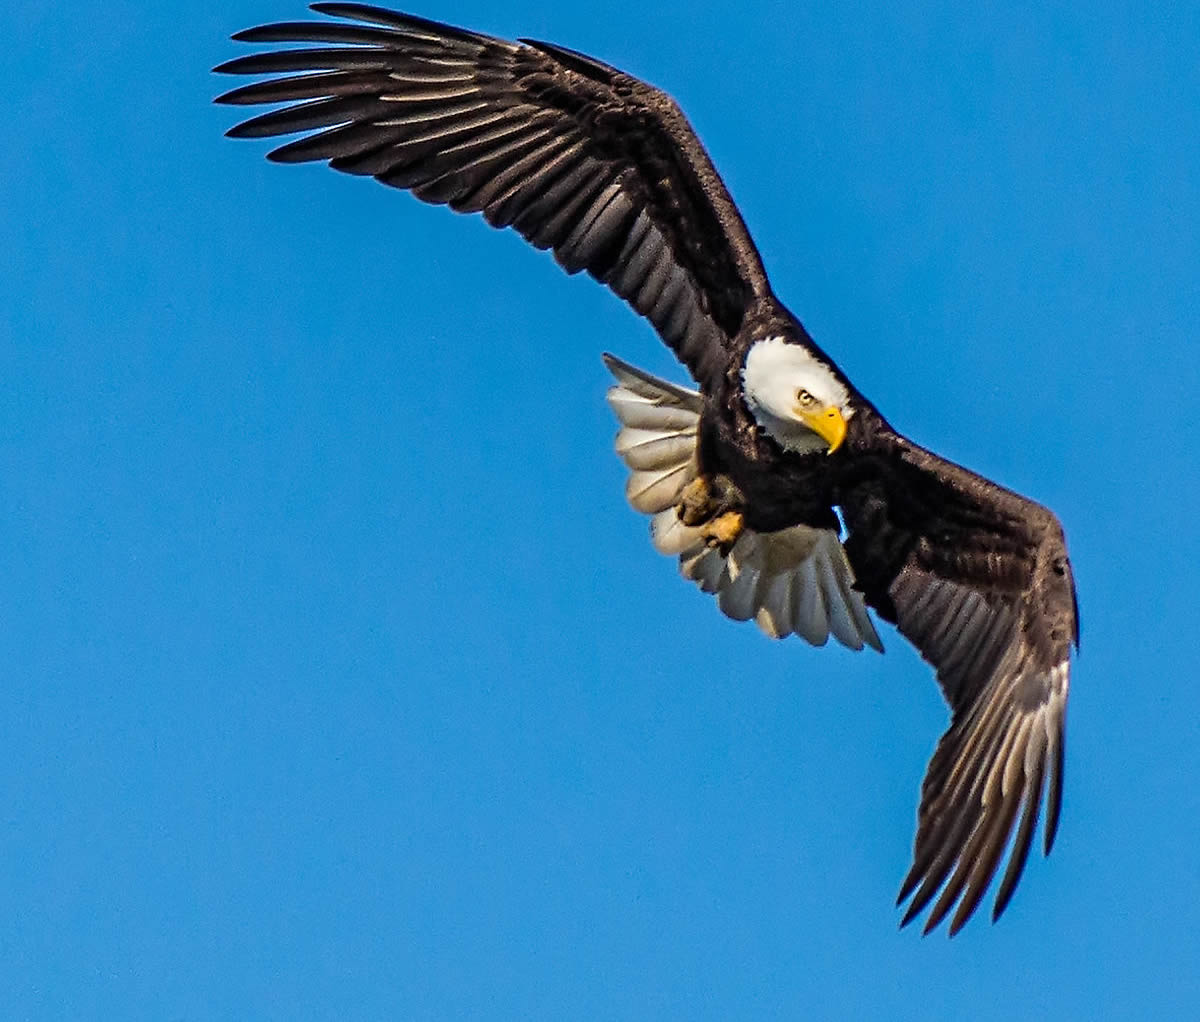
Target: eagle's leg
[(713, 503)]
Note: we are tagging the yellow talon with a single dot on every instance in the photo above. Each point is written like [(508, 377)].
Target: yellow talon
[(723, 531), (693, 507)]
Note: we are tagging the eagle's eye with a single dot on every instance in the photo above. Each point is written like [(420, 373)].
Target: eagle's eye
[(805, 399)]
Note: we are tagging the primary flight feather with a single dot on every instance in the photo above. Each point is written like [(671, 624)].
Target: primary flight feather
[(742, 476)]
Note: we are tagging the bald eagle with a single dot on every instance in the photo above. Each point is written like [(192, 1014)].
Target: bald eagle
[(746, 476)]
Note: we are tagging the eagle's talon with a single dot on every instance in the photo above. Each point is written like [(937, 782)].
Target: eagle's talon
[(723, 531), (707, 498), (695, 502)]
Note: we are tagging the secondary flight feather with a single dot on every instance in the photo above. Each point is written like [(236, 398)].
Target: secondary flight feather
[(745, 476)]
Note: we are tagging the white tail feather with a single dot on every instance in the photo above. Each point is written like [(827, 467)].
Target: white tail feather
[(810, 620), (670, 536), (796, 580), (658, 489)]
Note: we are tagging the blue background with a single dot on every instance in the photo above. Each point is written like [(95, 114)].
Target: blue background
[(339, 681)]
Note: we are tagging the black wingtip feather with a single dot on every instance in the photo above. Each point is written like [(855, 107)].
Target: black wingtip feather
[(592, 68), (257, 34), (1021, 844), (358, 12), (249, 129), (910, 883), (321, 58), (1054, 797), (397, 19), (314, 32)]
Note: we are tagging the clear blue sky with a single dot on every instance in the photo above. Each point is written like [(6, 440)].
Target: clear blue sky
[(336, 677)]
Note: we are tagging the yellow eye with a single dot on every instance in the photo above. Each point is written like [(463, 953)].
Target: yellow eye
[(805, 399)]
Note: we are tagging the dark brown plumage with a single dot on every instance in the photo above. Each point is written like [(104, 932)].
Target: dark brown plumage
[(604, 170)]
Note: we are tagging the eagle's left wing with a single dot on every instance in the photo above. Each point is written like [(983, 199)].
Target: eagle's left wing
[(977, 578)]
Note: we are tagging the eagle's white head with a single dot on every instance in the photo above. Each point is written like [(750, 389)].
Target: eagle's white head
[(795, 397)]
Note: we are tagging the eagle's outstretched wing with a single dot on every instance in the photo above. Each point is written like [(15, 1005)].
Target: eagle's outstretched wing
[(576, 155), (977, 578)]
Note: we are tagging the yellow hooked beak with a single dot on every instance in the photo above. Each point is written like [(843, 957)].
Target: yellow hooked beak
[(827, 423)]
